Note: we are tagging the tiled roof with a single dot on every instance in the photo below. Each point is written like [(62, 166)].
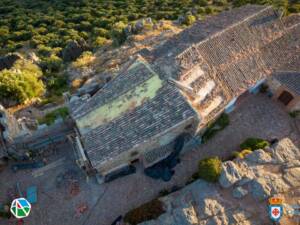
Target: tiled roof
[(283, 54), (204, 29), (135, 75), (290, 80), (234, 54), (242, 53), (164, 111)]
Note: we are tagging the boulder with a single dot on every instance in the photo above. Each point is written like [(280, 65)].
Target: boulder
[(73, 50), (239, 192), (185, 216), (239, 217), (139, 25), (263, 187), (217, 220), (285, 151), (259, 156), (165, 219), (209, 207), (208, 190), (148, 20), (229, 175), (181, 19), (292, 176), (128, 30), (33, 57), (259, 189), (6, 62)]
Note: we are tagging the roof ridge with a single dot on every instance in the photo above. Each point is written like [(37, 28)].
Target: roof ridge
[(224, 30)]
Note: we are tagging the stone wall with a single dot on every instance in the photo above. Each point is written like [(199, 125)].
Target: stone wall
[(294, 104)]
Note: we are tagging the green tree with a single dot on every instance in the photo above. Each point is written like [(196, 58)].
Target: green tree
[(51, 64), (118, 33), (100, 42), (21, 83)]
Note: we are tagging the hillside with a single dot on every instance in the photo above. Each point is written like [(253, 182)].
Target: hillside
[(55, 33)]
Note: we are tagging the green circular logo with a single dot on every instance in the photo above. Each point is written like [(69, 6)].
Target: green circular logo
[(20, 208)]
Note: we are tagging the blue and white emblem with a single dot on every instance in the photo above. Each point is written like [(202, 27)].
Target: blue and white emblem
[(275, 212)]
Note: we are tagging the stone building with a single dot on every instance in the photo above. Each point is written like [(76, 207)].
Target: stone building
[(285, 87), (181, 85)]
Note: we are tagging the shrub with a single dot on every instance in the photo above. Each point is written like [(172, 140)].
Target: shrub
[(118, 33), (210, 169), (220, 2), (201, 2), (242, 154), (52, 116), (44, 50), (21, 83), (295, 113), (57, 84), (209, 10), (254, 144), (294, 8), (101, 32), (51, 64), (145, 212), (100, 42), (84, 60), (189, 20), (215, 127)]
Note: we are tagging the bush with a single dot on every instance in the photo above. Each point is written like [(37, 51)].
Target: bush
[(201, 2), (44, 50), (241, 154), (295, 113), (51, 64), (52, 116), (210, 169), (213, 128), (254, 144), (101, 32), (220, 2), (84, 60), (100, 42), (189, 20), (21, 83), (57, 85), (209, 10), (145, 212), (118, 33)]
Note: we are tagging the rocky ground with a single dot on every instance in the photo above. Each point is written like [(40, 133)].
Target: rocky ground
[(109, 60), (241, 195)]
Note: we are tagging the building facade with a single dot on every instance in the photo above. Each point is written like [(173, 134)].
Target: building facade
[(285, 88)]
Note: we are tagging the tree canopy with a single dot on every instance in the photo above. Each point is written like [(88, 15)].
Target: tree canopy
[(21, 83)]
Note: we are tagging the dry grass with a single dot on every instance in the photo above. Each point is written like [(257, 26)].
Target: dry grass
[(77, 83), (85, 60)]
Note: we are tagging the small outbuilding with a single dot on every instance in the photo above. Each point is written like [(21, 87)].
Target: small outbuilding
[(285, 87)]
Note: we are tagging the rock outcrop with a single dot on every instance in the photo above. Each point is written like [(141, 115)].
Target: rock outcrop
[(240, 197), (73, 50), (6, 62)]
